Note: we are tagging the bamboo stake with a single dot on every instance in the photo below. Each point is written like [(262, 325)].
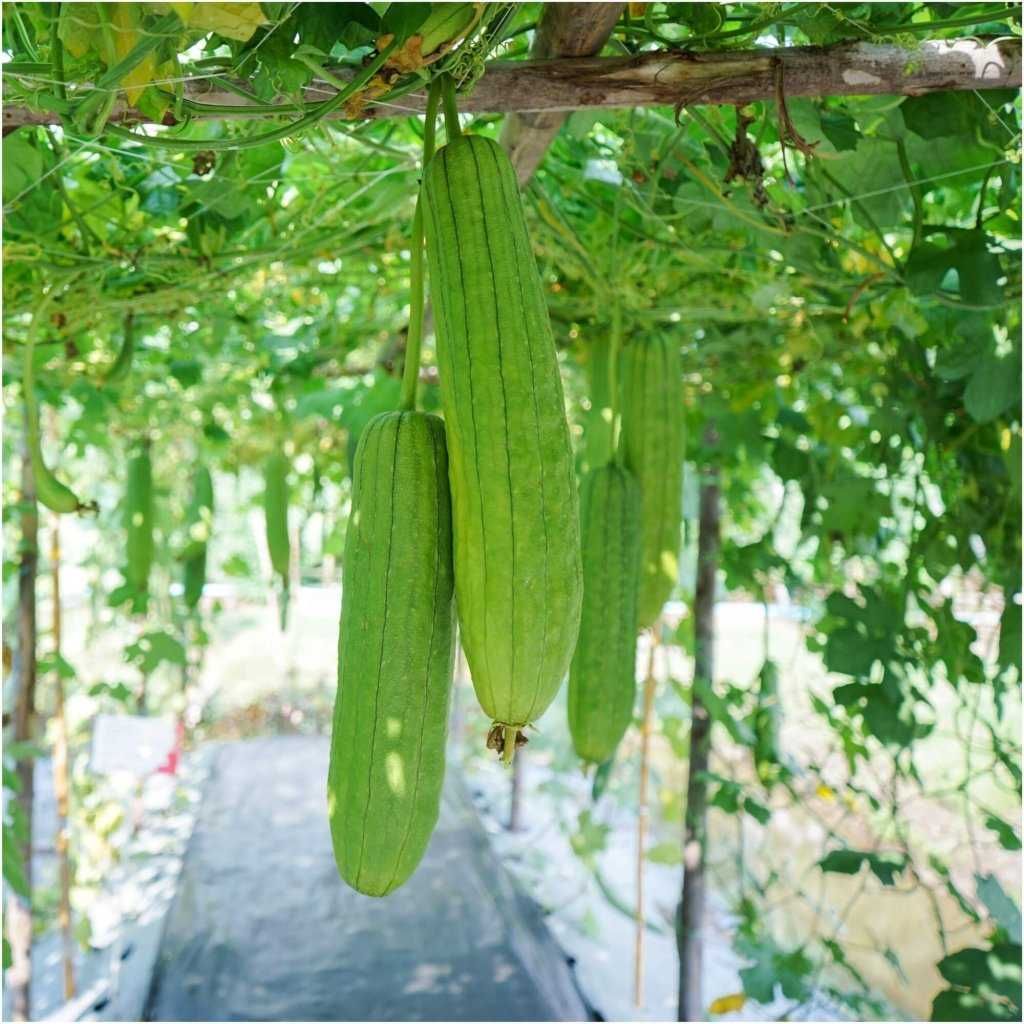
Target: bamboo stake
[(61, 780), (641, 821)]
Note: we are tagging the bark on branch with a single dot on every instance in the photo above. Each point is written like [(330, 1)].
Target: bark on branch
[(681, 79)]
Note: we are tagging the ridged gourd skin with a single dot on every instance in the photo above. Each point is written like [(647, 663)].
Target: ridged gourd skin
[(395, 654), (602, 679), (654, 442), (199, 522), (518, 574), (138, 518), (275, 510)]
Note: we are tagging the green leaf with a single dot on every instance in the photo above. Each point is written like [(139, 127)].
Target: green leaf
[(849, 652), (120, 692), (787, 968), (840, 129), (153, 649), (701, 18), (187, 372), (1010, 629), (722, 713), (884, 866), (1001, 907), (986, 984), (872, 172), (23, 750), (402, 20), (940, 115), (13, 871), (665, 853), (842, 862), (993, 388), (22, 163), (977, 268), (1008, 838), (590, 837), (236, 566), (756, 810)]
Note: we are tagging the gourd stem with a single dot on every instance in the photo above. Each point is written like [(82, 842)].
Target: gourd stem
[(616, 339), (613, 381), (430, 120), (414, 339), (451, 111), (509, 749)]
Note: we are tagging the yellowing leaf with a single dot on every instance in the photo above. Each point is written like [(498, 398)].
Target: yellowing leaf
[(124, 20), (183, 11), (139, 77), (728, 1004), (233, 21)]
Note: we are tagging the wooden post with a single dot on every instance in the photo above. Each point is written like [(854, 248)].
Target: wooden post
[(61, 780), (19, 911), (690, 917)]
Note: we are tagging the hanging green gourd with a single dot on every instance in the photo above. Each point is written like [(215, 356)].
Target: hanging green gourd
[(514, 499), (602, 678), (199, 526), (397, 635), (275, 514), (138, 519), (654, 445)]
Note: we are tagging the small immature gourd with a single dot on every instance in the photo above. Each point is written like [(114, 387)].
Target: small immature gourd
[(138, 518), (275, 511), (654, 448)]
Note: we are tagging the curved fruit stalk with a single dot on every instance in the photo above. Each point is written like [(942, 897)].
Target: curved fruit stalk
[(515, 507), (653, 442), (275, 508), (138, 518), (57, 497), (123, 363), (602, 679), (395, 657)]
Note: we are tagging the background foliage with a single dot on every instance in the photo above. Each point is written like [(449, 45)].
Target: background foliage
[(845, 291)]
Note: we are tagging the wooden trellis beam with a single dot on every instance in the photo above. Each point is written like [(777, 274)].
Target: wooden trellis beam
[(683, 79)]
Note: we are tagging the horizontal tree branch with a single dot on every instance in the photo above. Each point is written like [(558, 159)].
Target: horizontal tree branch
[(680, 79)]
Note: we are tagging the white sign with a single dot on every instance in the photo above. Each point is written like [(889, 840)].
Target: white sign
[(131, 743)]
